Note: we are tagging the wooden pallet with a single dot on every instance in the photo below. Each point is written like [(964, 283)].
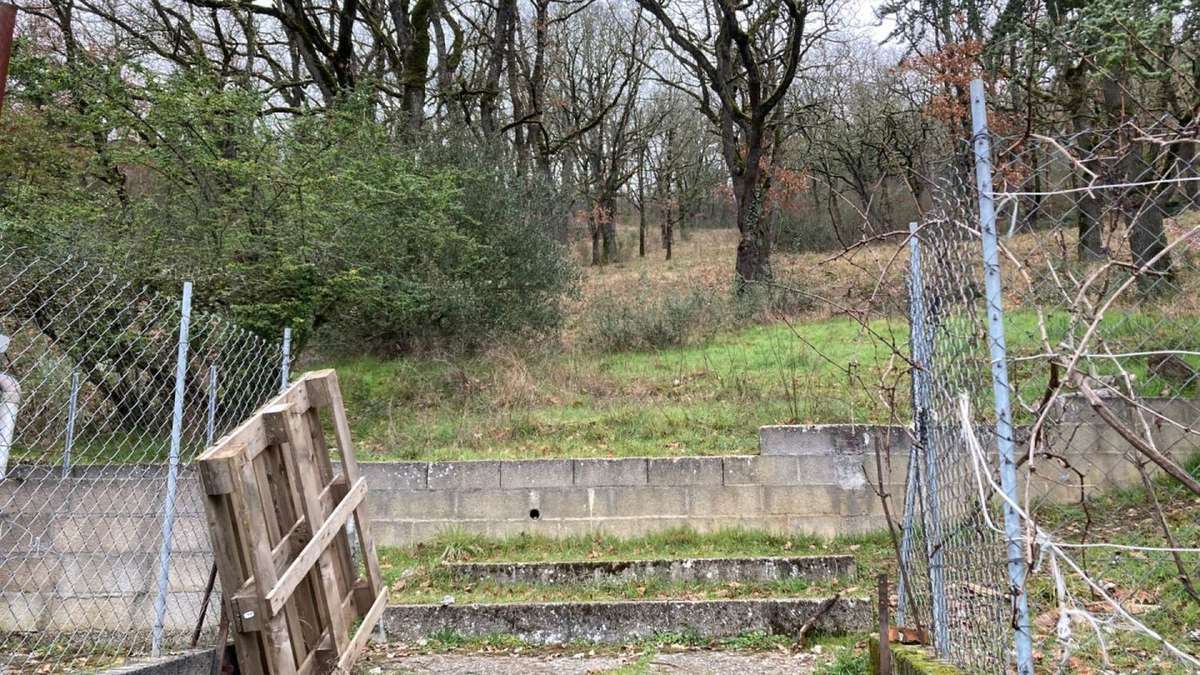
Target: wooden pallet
[(277, 519)]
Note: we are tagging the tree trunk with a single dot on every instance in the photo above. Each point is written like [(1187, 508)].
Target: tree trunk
[(754, 246), (594, 228), (1148, 238), (642, 206), (608, 226)]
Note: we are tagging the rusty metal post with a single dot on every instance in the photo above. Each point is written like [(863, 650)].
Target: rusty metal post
[(8, 20), (885, 630)]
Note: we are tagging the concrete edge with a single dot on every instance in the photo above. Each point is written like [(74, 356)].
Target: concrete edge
[(762, 568), (619, 622), (192, 662)]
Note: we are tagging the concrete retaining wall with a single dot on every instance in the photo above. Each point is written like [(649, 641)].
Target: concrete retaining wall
[(742, 570), (555, 623), (82, 552), (827, 495)]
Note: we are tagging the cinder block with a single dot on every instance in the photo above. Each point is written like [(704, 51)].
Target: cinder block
[(766, 523), (628, 502), (685, 471), (759, 470), (72, 614), (832, 526), (23, 612), (414, 504), (537, 473), (190, 534), (826, 439), (557, 504), (728, 500), (480, 475), (32, 574), (392, 532), (395, 475), (431, 529), (109, 534), (848, 471), (817, 500), (494, 505), (608, 472), (114, 574)]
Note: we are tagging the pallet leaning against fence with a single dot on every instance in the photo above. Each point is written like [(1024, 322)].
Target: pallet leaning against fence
[(278, 519)]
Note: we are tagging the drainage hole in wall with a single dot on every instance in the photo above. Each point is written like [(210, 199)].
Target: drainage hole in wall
[(534, 514)]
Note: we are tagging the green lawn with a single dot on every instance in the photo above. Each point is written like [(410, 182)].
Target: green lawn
[(705, 398)]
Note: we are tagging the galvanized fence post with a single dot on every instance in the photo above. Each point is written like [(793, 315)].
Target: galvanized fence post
[(925, 474), (210, 427), (999, 354), (168, 523), (285, 359), (72, 412), (920, 350)]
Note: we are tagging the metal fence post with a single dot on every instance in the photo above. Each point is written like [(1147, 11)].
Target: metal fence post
[(920, 350), (168, 523), (72, 408), (285, 359), (999, 353), (210, 428), (925, 473)]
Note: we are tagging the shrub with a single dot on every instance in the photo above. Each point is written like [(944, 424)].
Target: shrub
[(337, 220), (621, 324)]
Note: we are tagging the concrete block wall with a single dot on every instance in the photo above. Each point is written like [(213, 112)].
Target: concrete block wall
[(81, 553), (825, 494)]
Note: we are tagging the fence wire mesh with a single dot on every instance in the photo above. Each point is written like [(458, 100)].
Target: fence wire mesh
[(89, 380), (1100, 255)]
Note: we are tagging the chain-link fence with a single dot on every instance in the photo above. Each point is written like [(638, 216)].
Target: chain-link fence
[(1055, 410), (107, 391)]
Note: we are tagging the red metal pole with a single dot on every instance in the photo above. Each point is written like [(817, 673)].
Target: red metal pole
[(8, 19)]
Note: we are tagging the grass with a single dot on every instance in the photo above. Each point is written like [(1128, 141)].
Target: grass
[(698, 376), (1146, 582), (416, 575), (704, 398)]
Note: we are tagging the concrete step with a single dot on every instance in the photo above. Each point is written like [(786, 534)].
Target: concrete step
[(718, 570), (627, 621)]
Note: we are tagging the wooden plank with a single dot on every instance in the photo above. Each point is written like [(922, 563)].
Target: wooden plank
[(303, 462), (232, 572), (344, 569), (350, 655), (268, 468), (362, 519), (321, 540), (251, 434), (277, 646)]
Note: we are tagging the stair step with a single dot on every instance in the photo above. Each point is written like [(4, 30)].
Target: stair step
[(718, 570), (555, 623)]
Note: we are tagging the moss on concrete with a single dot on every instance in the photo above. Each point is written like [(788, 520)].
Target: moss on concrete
[(911, 660)]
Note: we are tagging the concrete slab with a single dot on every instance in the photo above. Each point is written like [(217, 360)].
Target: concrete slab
[(619, 622)]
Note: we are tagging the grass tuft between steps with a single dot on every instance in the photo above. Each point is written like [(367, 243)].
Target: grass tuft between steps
[(417, 575)]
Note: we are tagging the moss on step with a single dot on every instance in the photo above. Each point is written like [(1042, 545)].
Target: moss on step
[(910, 660)]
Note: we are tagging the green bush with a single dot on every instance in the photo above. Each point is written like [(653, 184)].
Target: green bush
[(342, 220), (615, 324)]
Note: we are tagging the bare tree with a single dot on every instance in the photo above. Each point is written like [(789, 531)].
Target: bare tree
[(743, 58)]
